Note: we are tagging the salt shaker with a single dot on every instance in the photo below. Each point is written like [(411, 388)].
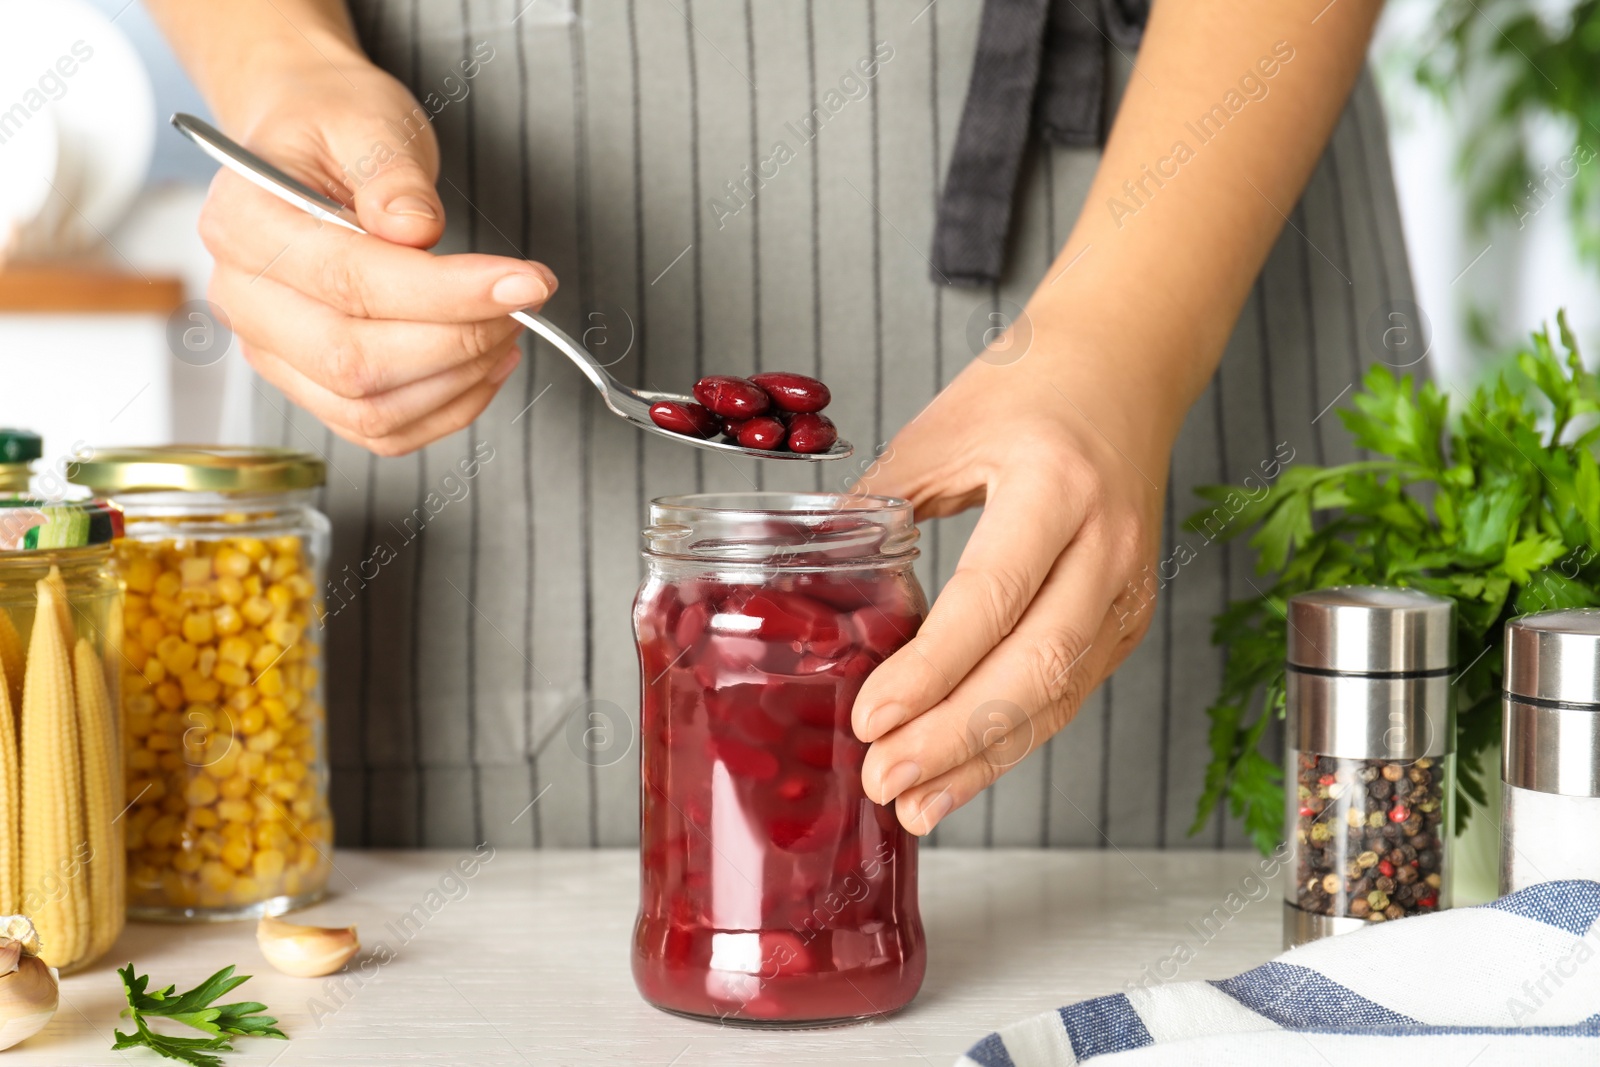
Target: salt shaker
[(1550, 762), (1370, 768)]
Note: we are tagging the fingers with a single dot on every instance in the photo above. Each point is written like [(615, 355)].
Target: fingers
[(359, 275), (399, 202), (403, 419), (1016, 543), (1025, 690), (353, 358)]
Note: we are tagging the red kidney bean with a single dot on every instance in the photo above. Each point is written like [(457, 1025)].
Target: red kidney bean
[(793, 392), (692, 420), (730, 397), (811, 433), (761, 432), (731, 428)]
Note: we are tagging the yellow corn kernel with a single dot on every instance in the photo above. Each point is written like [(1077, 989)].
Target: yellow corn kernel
[(232, 563), (188, 862), (169, 695), (282, 632), (235, 650), (168, 585), (246, 890), (216, 876), (226, 620), (251, 547), (203, 819), (175, 654), (154, 672), (252, 720), (268, 865), (230, 590), (270, 682), (293, 698), (158, 742), (151, 632), (236, 854), (283, 791), (147, 790), (198, 628), (253, 585), (231, 674), (198, 690), (138, 759), (256, 610), (236, 787), (137, 656), (211, 844), (250, 764), (222, 764), (172, 804), (196, 570), (236, 811), (206, 665), (265, 741), (268, 654), (171, 761), (140, 574), (201, 791)]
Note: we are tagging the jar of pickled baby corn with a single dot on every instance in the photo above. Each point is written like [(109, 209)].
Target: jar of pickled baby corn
[(227, 776), (61, 856)]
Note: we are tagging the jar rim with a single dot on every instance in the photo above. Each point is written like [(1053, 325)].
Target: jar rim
[(782, 529), (748, 503)]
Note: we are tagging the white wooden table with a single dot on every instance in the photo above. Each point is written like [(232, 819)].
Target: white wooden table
[(528, 964)]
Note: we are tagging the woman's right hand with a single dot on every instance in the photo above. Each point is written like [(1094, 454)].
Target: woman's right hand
[(389, 345)]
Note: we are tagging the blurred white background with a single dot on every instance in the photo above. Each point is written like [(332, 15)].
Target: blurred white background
[(110, 378)]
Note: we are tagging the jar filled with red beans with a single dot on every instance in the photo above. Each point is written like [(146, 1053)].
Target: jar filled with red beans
[(772, 891)]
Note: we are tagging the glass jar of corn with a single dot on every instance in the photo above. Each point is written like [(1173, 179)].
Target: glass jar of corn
[(60, 768), (227, 777)]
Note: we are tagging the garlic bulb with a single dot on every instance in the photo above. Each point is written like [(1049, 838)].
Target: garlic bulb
[(29, 990), (306, 951)]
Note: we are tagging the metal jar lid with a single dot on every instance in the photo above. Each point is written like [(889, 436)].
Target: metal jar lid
[(1371, 629), (198, 468), (1551, 739), (1555, 656)]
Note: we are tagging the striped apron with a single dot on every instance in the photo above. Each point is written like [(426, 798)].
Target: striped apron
[(634, 146)]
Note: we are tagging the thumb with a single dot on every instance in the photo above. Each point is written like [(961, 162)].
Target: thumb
[(393, 179)]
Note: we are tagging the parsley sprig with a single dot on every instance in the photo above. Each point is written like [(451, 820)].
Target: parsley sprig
[(194, 1008), (1498, 508)]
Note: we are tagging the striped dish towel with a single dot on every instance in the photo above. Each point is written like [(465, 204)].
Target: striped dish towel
[(1513, 982)]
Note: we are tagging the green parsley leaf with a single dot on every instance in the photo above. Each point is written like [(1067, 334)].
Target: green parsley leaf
[(1496, 505), (193, 1009)]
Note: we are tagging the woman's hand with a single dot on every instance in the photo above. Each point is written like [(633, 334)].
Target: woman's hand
[(1049, 596), (390, 346)]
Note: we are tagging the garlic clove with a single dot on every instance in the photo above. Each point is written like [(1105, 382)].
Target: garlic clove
[(29, 988), (306, 951)]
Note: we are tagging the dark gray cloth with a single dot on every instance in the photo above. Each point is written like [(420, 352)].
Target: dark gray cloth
[(1044, 57)]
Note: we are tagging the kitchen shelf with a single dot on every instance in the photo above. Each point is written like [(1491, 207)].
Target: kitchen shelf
[(68, 288)]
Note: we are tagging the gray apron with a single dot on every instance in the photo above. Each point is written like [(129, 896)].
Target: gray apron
[(633, 145)]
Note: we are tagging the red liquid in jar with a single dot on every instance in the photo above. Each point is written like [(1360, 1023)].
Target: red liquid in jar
[(773, 891)]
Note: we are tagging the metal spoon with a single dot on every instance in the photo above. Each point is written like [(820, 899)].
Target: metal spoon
[(630, 403)]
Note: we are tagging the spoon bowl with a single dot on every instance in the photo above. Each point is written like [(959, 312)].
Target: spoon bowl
[(622, 400)]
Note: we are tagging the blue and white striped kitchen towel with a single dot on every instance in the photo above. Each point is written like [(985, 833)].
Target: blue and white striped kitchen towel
[(1514, 982)]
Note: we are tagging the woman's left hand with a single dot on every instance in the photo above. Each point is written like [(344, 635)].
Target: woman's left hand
[(1055, 587)]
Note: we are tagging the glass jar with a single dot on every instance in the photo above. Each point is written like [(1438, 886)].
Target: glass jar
[(227, 774), (1550, 752), (1370, 776), (772, 892), (60, 764)]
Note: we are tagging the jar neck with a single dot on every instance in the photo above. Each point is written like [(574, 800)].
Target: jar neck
[(78, 566), (191, 504), (767, 532)]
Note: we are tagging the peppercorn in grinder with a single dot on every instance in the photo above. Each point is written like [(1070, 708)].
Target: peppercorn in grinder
[(1370, 770)]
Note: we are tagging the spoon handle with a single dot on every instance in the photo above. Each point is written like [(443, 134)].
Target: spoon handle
[(291, 190)]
